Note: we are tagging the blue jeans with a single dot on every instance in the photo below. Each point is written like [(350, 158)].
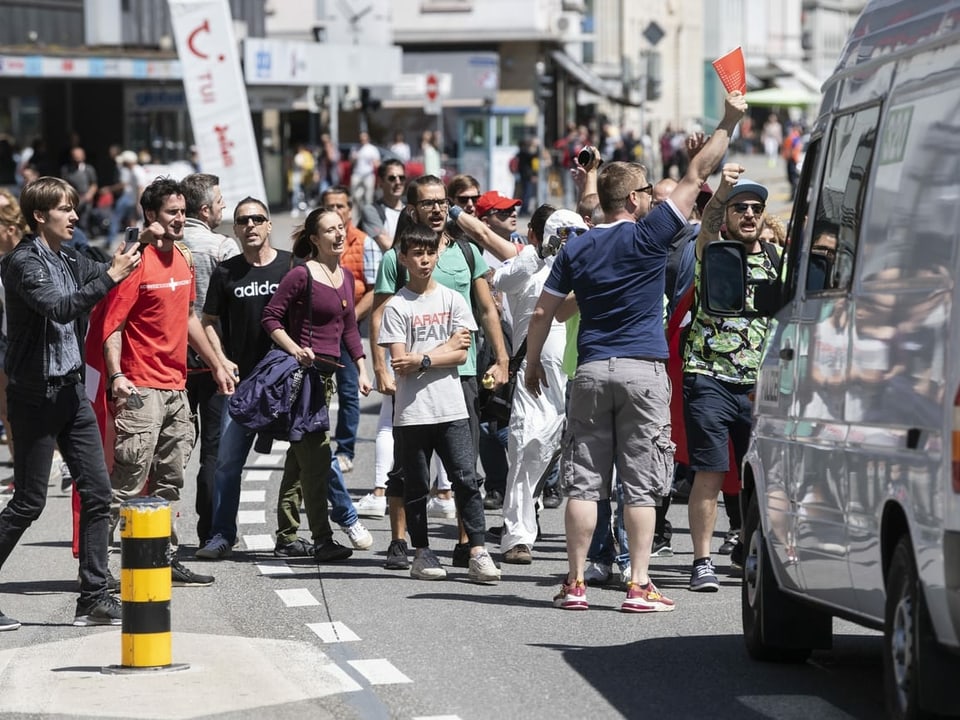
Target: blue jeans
[(602, 548), (342, 510), (348, 395), (235, 444)]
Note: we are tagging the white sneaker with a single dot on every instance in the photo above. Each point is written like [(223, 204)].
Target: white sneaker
[(483, 569), (426, 566), (437, 507), (359, 536), (371, 506), (597, 573)]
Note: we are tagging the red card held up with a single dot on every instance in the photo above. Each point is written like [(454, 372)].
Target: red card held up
[(732, 70)]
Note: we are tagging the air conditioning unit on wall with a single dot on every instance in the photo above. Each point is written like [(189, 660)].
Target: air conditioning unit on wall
[(566, 25)]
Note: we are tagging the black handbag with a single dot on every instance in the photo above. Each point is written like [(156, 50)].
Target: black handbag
[(495, 405)]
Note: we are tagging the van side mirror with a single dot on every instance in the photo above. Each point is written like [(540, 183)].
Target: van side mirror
[(724, 276)]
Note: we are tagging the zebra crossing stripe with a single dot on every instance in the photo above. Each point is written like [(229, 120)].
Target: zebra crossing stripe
[(379, 672), (333, 632), (297, 597)]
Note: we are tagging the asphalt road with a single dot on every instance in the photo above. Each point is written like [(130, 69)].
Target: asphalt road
[(289, 639)]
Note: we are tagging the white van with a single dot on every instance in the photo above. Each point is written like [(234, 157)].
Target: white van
[(851, 487)]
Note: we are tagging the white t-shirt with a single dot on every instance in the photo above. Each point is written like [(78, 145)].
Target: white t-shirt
[(520, 280), (422, 323), (366, 159)]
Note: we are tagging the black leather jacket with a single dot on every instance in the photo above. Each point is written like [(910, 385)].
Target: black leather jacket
[(32, 301)]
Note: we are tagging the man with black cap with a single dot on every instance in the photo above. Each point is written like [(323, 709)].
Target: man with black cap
[(721, 358)]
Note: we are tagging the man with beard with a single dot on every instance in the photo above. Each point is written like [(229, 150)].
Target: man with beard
[(720, 366)]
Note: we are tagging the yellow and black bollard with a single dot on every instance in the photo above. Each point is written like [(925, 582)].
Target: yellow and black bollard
[(145, 587)]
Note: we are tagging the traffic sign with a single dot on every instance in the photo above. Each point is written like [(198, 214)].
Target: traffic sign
[(431, 94)]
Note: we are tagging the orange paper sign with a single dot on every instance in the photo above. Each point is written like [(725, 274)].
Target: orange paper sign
[(732, 70)]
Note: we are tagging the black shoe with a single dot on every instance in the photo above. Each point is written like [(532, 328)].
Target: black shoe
[(730, 542), (297, 548), (736, 560), (182, 577), (661, 547), (113, 585), (552, 497), (496, 532), (104, 610), (8, 623), (461, 555), (397, 555), (493, 500), (331, 551)]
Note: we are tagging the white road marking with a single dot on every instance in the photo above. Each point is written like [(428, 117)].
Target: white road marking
[(333, 632), (272, 460), (259, 542), (252, 496), (257, 475), (252, 517), (274, 567), (379, 672), (297, 597)]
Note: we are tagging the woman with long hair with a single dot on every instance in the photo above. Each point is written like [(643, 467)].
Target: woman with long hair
[(307, 316), (13, 226)]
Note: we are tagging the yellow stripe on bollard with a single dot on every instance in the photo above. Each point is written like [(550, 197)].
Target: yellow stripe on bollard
[(145, 587)]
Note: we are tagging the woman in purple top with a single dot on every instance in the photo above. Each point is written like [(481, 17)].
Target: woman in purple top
[(312, 335)]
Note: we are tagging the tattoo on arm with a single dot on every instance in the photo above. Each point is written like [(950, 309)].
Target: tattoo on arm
[(712, 216)]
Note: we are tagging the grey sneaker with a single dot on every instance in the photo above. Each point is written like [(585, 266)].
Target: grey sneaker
[(426, 566), (703, 577), (297, 548), (397, 555), (182, 577), (8, 623), (104, 610), (483, 569), (217, 548)]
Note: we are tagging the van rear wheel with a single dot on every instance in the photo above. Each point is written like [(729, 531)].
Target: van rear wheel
[(904, 620), (763, 605)]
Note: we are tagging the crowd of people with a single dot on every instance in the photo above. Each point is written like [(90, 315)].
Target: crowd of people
[(586, 329)]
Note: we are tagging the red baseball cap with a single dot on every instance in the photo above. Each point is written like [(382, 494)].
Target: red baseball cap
[(494, 200)]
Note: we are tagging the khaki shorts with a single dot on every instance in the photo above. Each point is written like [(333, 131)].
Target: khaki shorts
[(619, 417)]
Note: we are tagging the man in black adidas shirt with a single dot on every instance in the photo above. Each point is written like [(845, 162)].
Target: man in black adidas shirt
[(239, 289)]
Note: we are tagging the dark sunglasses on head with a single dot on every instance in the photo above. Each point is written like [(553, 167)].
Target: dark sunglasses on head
[(257, 219), (741, 208), (464, 199)]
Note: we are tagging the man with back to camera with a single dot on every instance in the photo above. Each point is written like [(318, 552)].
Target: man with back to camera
[(620, 397), (49, 292)]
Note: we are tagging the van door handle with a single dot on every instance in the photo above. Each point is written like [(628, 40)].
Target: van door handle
[(786, 353)]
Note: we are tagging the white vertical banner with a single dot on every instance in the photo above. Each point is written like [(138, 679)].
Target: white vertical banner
[(217, 97)]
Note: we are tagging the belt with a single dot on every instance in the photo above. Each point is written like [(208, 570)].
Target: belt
[(64, 380)]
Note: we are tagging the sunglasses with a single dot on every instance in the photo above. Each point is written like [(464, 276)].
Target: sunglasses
[(645, 189), (503, 214), (428, 204), (569, 231), (257, 219), (741, 208), (396, 178), (464, 199)]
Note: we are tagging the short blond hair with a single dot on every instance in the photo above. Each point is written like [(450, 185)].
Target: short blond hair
[(775, 223)]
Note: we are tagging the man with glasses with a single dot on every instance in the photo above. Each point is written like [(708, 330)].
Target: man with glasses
[(620, 395), (721, 358), (379, 218), (201, 192), (499, 213), (427, 199), (239, 290)]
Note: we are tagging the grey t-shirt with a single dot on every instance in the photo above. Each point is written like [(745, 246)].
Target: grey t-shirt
[(422, 323)]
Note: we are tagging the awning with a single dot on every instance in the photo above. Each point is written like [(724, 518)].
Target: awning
[(783, 97), (792, 73), (589, 80)]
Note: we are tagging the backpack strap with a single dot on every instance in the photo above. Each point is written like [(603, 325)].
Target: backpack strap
[(467, 249), (185, 251), (773, 252)]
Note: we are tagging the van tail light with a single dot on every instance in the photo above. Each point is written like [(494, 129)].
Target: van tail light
[(955, 450)]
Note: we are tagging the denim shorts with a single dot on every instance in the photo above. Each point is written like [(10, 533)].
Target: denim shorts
[(715, 412), (619, 417)]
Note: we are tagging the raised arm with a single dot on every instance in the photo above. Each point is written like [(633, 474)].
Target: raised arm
[(713, 213)]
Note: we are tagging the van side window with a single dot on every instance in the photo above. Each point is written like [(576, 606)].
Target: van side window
[(836, 222)]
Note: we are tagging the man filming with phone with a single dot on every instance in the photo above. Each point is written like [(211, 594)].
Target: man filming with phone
[(148, 322)]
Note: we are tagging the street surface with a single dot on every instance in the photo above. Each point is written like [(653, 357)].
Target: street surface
[(289, 639)]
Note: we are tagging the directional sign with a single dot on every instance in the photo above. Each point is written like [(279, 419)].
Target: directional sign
[(431, 94)]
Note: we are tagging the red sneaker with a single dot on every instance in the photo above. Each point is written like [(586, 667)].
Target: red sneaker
[(645, 599), (572, 596)]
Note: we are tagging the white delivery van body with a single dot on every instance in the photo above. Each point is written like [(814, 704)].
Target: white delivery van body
[(851, 487)]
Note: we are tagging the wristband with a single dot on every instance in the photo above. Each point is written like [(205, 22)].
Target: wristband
[(114, 377), (454, 212)]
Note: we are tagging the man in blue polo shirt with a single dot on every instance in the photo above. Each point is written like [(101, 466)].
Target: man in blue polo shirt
[(620, 396)]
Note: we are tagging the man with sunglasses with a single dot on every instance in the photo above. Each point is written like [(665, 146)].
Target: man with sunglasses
[(204, 201), (379, 218), (499, 213), (620, 395), (721, 358)]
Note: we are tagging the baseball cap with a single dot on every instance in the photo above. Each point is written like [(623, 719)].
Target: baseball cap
[(494, 200), (562, 219), (745, 186)]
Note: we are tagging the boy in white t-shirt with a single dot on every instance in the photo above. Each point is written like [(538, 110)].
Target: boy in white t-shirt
[(426, 327)]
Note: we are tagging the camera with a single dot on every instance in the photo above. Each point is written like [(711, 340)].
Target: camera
[(586, 156)]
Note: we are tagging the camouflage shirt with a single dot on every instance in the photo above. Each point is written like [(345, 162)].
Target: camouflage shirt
[(729, 348)]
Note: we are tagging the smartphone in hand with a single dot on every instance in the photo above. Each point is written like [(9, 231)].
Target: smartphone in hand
[(132, 237)]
